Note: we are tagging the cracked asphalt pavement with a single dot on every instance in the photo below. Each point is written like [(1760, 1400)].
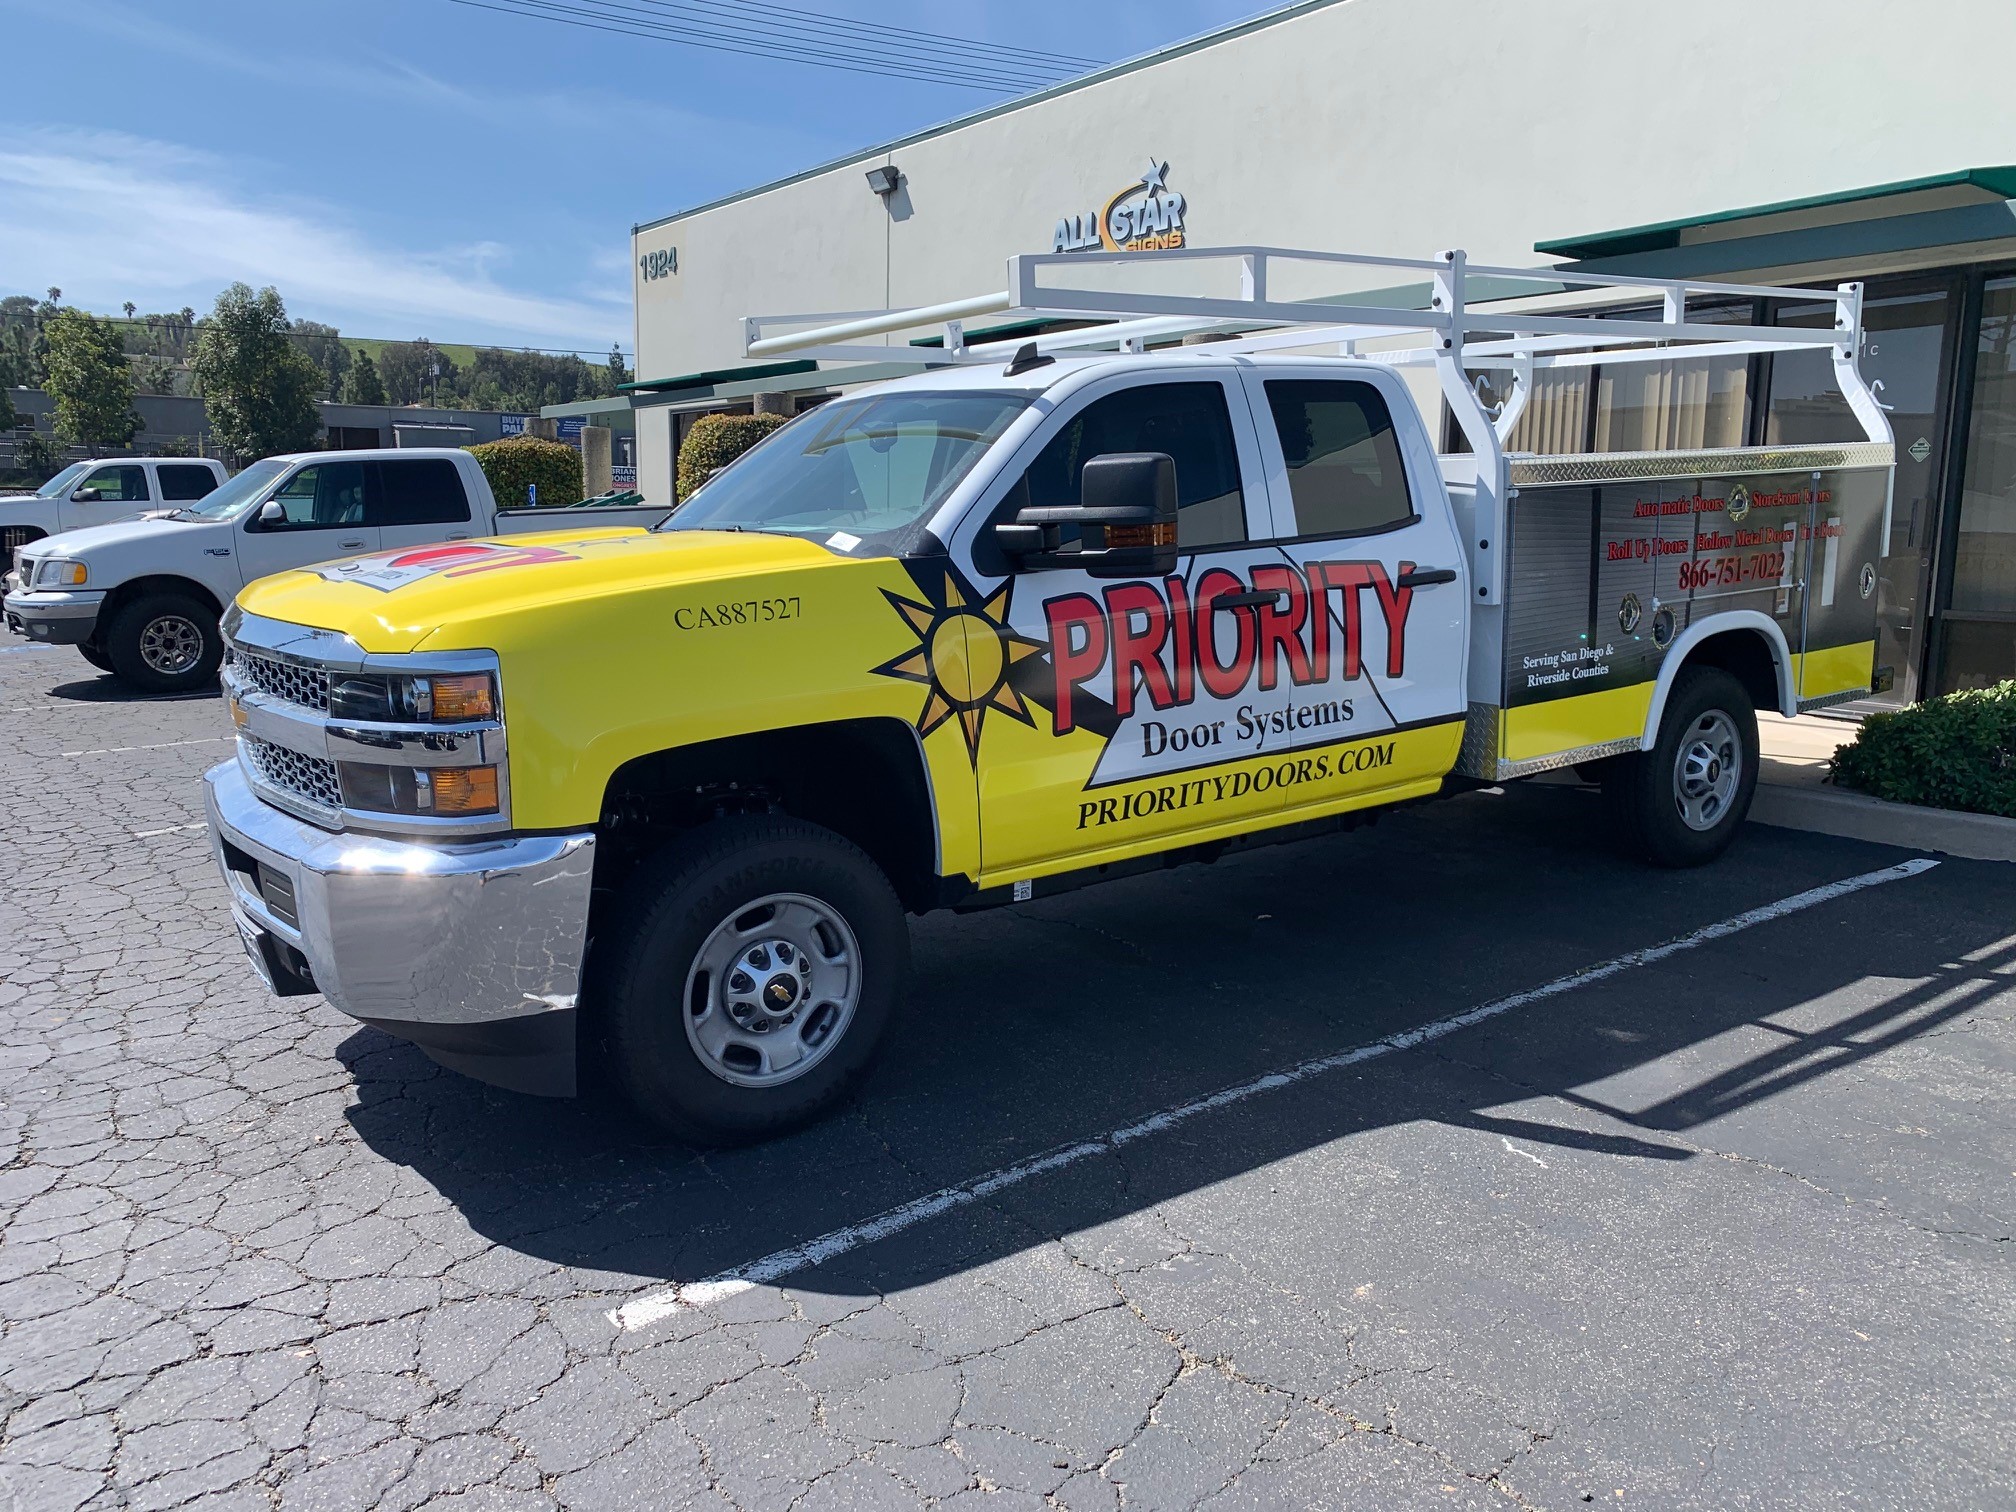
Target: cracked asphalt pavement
[(1731, 1229)]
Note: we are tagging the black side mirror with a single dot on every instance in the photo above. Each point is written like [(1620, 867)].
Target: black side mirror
[(86, 496), (272, 515), (1128, 499)]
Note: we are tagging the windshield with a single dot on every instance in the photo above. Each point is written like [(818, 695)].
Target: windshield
[(232, 497), (59, 486), (861, 468)]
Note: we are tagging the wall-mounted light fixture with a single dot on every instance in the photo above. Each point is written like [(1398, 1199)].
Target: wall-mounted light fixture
[(885, 180)]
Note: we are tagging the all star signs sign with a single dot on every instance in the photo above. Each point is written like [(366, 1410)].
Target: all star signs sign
[(1146, 216)]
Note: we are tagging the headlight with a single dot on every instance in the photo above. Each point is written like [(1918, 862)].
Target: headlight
[(449, 792), (449, 699), (58, 572)]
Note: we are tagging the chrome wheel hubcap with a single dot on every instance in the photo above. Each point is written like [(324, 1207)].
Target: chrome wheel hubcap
[(1707, 771), (772, 990), (171, 644)]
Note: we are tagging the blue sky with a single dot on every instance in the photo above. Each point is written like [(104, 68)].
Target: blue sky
[(404, 168)]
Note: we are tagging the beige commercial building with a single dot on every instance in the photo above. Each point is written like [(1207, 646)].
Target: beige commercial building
[(1807, 141)]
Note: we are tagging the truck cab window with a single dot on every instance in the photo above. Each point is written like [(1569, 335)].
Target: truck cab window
[(1188, 421), (182, 480), (418, 491), (323, 497), (118, 485), (1345, 474)]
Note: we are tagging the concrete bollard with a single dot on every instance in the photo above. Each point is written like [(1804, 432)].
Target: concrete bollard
[(595, 459), (544, 427), (773, 404)]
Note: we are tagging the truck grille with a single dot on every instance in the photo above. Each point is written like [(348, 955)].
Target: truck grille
[(306, 777), (307, 686)]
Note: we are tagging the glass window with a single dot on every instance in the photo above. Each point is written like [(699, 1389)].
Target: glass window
[(419, 491), (1682, 404), (183, 480), (118, 485), (1345, 475), (873, 467), (1982, 652), (59, 486), (325, 496), (231, 497), (1188, 421)]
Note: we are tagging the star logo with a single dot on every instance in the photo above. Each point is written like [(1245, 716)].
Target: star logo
[(966, 655), (1155, 180)]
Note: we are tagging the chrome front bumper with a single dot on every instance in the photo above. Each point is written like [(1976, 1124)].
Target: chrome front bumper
[(471, 949), (55, 616)]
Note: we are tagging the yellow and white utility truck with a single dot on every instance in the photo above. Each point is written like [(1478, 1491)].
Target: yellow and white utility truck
[(1043, 612)]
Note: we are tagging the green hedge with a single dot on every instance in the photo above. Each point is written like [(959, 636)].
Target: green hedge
[(1956, 752), (714, 442), (517, 461)]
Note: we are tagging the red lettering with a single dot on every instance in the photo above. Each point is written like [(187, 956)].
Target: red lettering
[(1077, 647), (1280, 630), (1222, 679), (1348, 579), (1394, 604), (1182, 639), (1138, 649)]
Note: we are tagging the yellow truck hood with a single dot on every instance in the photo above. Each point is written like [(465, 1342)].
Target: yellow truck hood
[(392, 601)]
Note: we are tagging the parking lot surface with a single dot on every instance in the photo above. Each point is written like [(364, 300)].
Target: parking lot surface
[(1722, 1226)]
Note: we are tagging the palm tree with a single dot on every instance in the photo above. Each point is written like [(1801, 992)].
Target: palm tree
[(129, 307)]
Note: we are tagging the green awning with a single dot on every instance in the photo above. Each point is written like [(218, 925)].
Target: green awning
[(1994, 183), (707, 379)]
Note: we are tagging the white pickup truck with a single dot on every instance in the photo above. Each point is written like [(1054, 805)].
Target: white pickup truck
[(142, 599), (97, 493)]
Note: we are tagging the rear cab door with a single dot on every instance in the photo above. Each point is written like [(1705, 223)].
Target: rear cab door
[(1371, 627), (417, 501), (183, 482)]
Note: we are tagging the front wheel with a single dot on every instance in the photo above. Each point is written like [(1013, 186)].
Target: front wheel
[(1680, 803), (746, 980), (165, 643), (90, 652)]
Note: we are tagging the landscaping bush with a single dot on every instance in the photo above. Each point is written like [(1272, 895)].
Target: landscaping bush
[(714, 442), (1956, 752), (516, 462)]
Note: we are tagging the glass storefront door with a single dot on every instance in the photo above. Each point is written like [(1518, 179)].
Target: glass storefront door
[(1907, 358), (1978, 636)]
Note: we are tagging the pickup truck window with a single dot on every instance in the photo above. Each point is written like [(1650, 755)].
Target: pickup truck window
[(871, 467), (119, 485), (232, 497), (181, 480), (324, 496), (59, 486), (417, 491), (1345, 474), (1188, 421)]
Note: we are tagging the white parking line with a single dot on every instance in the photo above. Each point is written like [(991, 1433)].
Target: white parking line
[(166, 745), (657, 1306), (173, 829)]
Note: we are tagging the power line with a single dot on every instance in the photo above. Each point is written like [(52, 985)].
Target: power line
[(631, 20), (874, 31), (993, 76)]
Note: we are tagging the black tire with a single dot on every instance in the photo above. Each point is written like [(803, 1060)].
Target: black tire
[(1650, 794), (90, 652), (647, 979), (142, 636)]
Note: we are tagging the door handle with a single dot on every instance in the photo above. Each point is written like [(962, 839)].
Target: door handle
[(1425, 577), (1247, 599), (460, 535), (351, 545)]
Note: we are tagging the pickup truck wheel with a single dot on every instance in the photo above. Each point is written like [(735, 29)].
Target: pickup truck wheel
[(748, 978), (90, 652), (1681, 803), (165, 643)]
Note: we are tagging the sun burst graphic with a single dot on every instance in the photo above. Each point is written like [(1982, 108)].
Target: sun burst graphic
[(966, 654)]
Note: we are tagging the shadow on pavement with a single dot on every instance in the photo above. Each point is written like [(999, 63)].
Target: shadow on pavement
[(1030, 1028)]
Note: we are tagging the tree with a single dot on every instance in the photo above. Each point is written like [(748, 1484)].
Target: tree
[(619, 371), (129, 307), (90, 381), (321, 345), (413, 372), (258, 390), (360, 384)]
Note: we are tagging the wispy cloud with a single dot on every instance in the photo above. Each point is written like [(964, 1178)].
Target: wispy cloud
[(167, 225)]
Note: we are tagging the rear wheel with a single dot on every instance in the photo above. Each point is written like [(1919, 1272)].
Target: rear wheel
[(165, 643), (746, 981), (1680, 803)]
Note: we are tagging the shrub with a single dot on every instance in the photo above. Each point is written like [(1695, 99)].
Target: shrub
[(714, 442), (516, 462), (1956, 752)]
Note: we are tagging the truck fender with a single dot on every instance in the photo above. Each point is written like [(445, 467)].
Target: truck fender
[(1721, 624)]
